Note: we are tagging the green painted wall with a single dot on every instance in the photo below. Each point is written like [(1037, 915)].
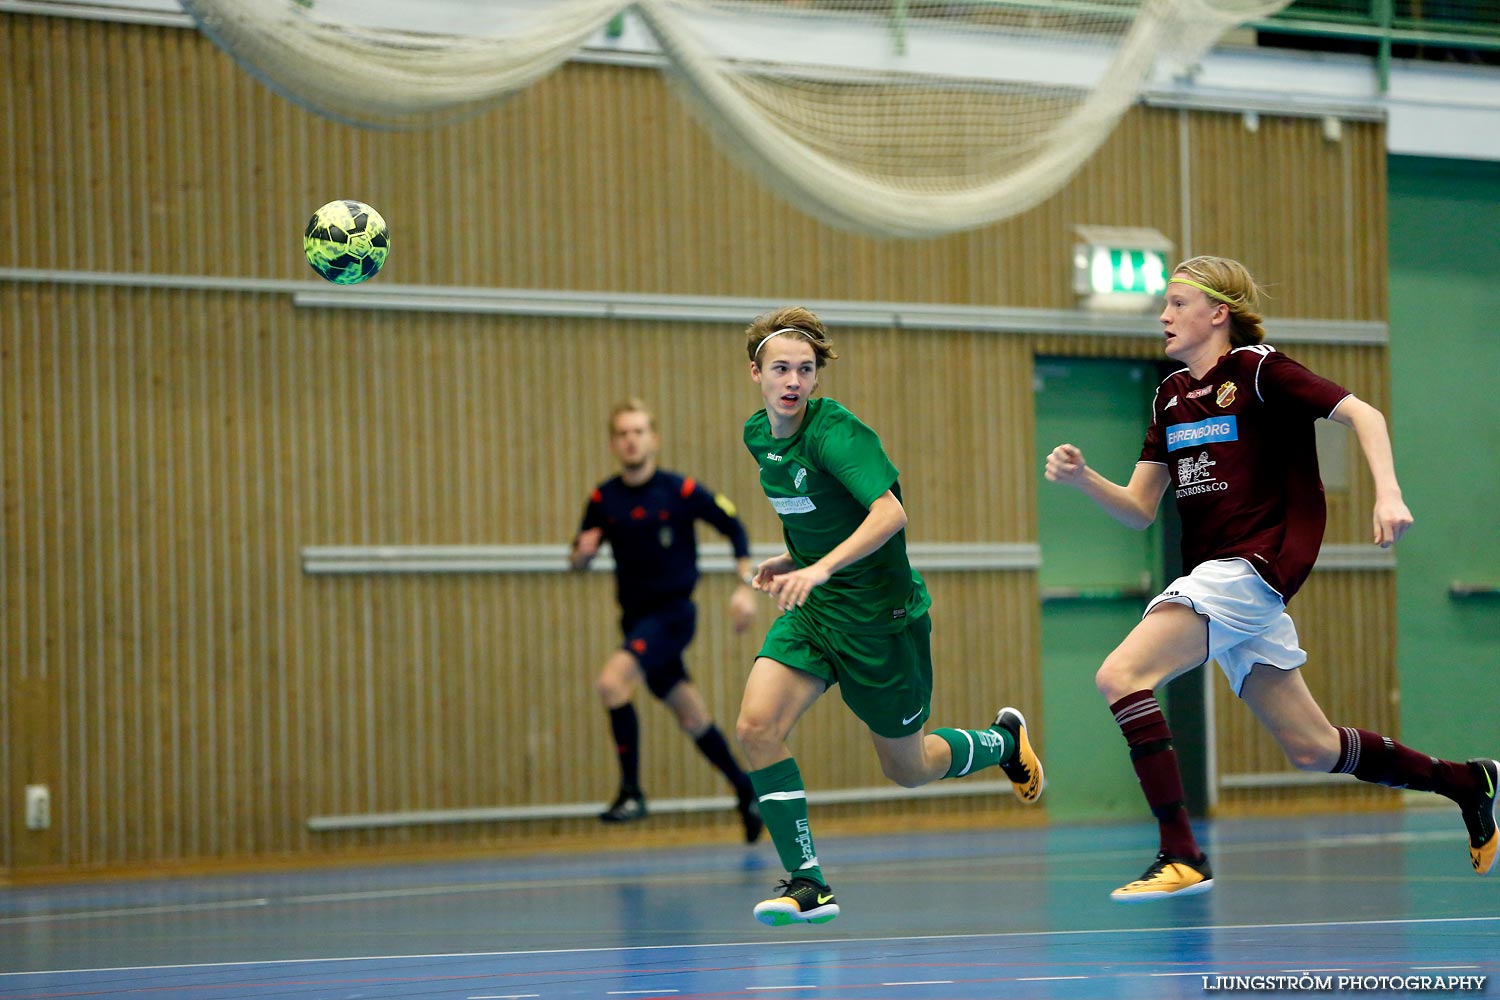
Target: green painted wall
[(1102, 407), (1445, 372)]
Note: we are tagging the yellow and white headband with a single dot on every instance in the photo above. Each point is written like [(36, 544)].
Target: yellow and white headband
[(1212, 292)]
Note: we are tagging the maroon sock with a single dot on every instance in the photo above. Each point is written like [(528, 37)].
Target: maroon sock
[(1381, 760), (1140, 718)]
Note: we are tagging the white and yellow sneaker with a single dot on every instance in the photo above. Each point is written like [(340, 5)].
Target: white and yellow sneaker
[(1024, 769), (1167, 876), (802, 901), (1484, 845)]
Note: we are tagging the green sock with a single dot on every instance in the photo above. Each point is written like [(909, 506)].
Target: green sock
[(976, 749), (783, 805)]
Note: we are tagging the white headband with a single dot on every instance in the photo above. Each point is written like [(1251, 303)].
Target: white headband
[(777, 333)]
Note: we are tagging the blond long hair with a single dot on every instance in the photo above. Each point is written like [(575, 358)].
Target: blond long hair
[(1231, 283)]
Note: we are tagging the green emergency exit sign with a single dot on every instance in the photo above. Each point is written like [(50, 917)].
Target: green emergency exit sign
[(1121, 268), (1124, 271)]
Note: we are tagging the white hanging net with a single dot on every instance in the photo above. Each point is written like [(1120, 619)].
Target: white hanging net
[(888, 117), (400, 63)]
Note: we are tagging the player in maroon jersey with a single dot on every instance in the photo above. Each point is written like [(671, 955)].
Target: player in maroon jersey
[(1232, 436)]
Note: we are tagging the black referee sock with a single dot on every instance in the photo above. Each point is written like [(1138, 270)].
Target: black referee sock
[(627, 732), (712, 745)]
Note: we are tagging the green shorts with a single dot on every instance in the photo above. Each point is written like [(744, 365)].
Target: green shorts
[(885, 677)]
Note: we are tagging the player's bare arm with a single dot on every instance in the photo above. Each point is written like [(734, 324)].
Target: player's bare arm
[(1133, 505), (1391, 517), (585, 548), (742, 601), (886, 517)]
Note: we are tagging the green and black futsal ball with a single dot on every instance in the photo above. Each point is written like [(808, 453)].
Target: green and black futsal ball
[(346, 242)]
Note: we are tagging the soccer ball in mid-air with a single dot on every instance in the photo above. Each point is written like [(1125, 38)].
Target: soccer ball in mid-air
[(346, 242)]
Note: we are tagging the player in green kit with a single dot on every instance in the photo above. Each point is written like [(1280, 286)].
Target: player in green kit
[(854, 612)]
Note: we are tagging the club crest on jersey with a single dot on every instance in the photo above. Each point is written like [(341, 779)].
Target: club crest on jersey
[(1225, 394), (799, 479), (1210, 431)]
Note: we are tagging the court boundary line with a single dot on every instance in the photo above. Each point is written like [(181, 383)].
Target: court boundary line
[(997, 935), (583, 881)]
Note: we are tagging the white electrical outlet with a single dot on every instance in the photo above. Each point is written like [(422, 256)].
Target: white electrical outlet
[(38, 807)]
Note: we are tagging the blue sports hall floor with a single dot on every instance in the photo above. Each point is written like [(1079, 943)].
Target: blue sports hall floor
[(1381, 899)]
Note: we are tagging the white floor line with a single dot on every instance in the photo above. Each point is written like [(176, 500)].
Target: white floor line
[(137, 911), (510, 885), (799, 943)]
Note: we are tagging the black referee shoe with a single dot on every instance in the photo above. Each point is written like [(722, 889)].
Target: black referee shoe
[(629, 805), (750, 816)]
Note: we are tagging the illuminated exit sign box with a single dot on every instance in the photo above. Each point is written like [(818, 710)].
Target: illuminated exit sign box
[(1122, 269)]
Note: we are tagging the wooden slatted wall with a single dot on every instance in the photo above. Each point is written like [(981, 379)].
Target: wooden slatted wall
[(189, 694)]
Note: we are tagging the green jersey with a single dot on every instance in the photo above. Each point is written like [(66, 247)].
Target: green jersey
[(822, 481)]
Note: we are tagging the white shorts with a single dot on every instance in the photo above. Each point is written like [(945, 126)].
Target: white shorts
[(1247, 620)]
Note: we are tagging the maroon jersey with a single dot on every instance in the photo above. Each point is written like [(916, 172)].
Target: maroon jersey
[(1239, 447)]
